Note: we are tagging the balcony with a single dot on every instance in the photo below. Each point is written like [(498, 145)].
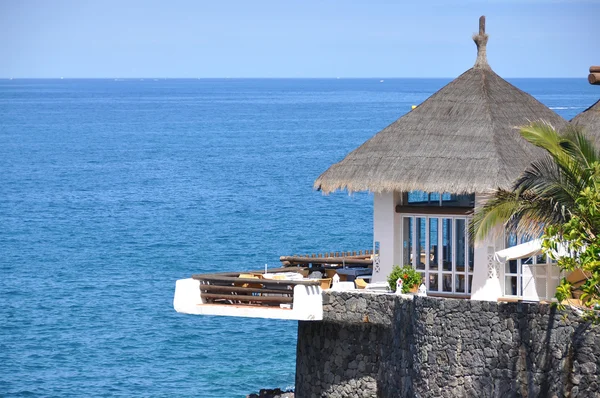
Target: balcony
[(290, 292)]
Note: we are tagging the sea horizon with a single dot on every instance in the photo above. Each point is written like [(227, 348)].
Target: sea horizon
[(281, 78)]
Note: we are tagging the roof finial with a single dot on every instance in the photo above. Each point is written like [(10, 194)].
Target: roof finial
[(481, 40)]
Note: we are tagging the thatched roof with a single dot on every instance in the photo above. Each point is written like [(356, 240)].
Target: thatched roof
[(462, 139), (590, 121)]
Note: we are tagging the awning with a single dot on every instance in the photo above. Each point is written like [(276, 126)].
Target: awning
[(524, 250), (528, 249)]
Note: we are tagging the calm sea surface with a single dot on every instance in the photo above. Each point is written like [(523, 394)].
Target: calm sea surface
[(112, 190)]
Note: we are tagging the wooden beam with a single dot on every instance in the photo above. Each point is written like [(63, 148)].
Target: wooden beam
[(594, 69), (233, 297), (326, 260), (267, 282), (594, 78), (434, 210), (239, 289)]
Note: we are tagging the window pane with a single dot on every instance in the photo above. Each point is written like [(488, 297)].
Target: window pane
[(433, 244), (460, 283), (434, 197), (470, 283), (540, 287), (527, 260), (541, 259), (417, 197), (459, 246), (510, 286), (433, 282), (511, 240), (541, 270), (447, 282), (511, 267), (420, 242), (447, 244), (407, 244), (471, 256)]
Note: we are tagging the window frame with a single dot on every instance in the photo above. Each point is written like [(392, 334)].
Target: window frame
[(467, 273)]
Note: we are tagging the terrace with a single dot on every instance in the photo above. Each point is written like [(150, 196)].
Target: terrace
[(289, 292)]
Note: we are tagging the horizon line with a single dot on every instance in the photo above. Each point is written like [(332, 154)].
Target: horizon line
[(271, 78)]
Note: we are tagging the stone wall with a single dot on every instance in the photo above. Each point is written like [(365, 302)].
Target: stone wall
[(379, 345)]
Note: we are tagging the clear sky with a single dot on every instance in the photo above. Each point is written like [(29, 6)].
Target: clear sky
[(294, 38)]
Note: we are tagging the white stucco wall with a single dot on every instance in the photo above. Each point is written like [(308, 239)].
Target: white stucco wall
[(386, 231), (307, 305), (486, 281)]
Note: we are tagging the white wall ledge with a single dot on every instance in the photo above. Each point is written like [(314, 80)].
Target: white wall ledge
[(307, 304)]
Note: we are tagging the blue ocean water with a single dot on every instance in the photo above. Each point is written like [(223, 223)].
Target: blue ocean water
[(112, 190)]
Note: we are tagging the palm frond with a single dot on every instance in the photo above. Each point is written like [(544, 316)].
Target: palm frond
[(546, 192)]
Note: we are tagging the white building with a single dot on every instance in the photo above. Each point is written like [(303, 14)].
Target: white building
[(429, 170)]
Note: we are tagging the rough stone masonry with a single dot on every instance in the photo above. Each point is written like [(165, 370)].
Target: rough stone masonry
[(383, 345)]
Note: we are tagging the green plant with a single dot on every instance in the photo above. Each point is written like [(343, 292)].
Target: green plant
[(410, 278), (558, 195), (547, 191)]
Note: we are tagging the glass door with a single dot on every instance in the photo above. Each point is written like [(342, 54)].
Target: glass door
[(438, 247)]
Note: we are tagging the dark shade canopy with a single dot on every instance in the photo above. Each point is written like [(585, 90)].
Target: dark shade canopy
[(462, 139)]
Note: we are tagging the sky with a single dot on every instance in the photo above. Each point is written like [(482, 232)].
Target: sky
[(294, 38)]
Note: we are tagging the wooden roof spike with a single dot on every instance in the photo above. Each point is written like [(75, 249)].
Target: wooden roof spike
[(481, 40)]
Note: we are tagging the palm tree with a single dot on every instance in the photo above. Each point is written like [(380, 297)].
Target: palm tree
[(546, 192)]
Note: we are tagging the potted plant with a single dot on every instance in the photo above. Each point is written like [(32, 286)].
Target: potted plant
[(411, 279)]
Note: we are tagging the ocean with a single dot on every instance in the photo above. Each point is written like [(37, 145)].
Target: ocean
[(112, 190)]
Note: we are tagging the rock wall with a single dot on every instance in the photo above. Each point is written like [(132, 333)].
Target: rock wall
[(379, 345)]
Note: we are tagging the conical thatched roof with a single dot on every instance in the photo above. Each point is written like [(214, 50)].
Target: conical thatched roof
[(462, 139), (590, 120)]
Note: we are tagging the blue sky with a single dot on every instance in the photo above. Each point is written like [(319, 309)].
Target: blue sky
[(289, 38)]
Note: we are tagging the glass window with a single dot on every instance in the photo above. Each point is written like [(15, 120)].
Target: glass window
[(510, 286), (527, 277), (417, 197), (511, 240), (447, 282), (459, 246), (541, 287), (421, 198), (512, 267), (433, 244), (460, 283), (541, 259), (471, 256), (447, 244), (408, 239), (438, 247), (420, 242), (433, 282)]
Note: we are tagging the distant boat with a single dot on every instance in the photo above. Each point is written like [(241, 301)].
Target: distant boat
[(381, 81)]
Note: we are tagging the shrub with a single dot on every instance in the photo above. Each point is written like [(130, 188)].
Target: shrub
[(410, 278)]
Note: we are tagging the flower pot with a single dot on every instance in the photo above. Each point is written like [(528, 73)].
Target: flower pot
[(413, 290)]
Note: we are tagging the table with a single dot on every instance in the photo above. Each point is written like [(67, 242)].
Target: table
[(353, 273)]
